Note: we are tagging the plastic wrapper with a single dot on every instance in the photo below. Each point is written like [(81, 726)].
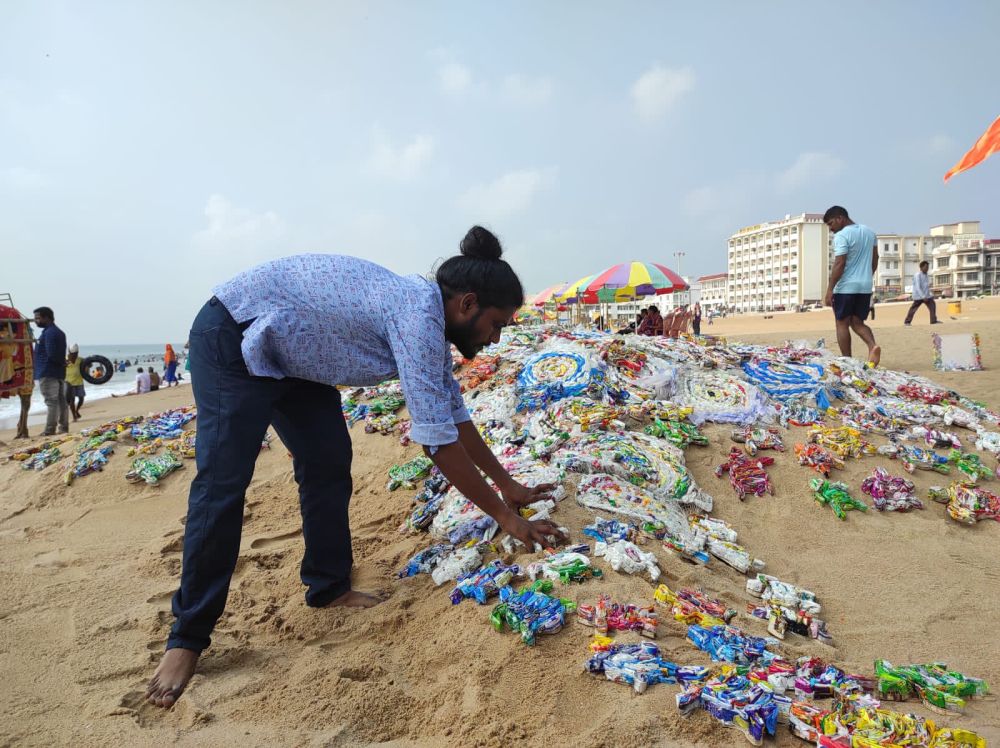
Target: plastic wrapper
[(627, 557), (462, 561)]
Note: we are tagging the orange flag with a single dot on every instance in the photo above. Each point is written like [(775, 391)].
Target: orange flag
[(985, 147)]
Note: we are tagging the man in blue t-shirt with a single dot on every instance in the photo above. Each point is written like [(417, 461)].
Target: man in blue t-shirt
[(855, 258)]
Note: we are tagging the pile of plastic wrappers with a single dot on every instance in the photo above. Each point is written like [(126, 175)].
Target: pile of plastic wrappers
[(610, 418), (148, 435), (376, 407)]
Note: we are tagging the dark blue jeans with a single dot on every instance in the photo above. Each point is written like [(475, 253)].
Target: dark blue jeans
[(234, 411)]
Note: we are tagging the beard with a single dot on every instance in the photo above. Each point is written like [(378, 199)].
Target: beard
[(464, 336)]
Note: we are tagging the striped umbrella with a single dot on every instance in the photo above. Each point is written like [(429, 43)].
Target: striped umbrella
[(573, 292), (631, 279), (549, 294)]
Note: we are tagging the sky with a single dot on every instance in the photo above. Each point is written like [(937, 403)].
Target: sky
[(149, 151)]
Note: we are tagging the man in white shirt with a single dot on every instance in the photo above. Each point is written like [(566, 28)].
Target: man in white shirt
[(141, 382), (922, 295)]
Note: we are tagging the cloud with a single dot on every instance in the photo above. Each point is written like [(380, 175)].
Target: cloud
[(937, 144), (401, 163), (526, 91), (659, 88), (228, 223), (809, 168), (455, 78), (930, 146), (511, 193), (18, 178), (700, 201)]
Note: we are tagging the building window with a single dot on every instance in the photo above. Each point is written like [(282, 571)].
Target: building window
[(972, 277)]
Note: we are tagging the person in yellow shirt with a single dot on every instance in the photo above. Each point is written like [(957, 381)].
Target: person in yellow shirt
[(75, 391)]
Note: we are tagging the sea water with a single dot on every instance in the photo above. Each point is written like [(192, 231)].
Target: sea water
[(143, 355)]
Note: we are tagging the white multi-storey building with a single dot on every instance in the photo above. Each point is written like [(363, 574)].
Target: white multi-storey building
[(964, 262), (899, 258), (714, 291), (779, 264)]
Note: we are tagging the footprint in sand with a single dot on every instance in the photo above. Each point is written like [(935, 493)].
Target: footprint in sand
[(54, 559), (174, 546), (353, 673), (161, 597), (269, 541)]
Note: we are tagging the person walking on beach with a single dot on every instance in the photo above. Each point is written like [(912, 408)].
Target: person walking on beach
[(922, 295), (269, 349), (696, 318), (75, 391), (50, 371), (855, 254), (170, 367)]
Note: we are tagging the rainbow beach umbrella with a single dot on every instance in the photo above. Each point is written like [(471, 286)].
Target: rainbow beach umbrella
[(633, 279), (549, 294), (573, 292)]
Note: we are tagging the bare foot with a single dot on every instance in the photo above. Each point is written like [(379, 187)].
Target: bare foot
[(875, 355), (354, 599), (171, 676)]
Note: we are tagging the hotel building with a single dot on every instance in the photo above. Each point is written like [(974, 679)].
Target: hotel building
[(780, 264)]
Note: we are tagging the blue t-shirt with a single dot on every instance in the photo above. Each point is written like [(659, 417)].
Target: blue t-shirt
[(857, 242)]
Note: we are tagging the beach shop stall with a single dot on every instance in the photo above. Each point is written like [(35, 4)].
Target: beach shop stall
[(16, 367)]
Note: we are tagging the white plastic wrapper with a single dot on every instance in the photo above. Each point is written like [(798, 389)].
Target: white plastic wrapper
[(627, 557), (773, 590), (460, 562)]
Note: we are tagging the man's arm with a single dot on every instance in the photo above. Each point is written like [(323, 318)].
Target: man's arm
[(481, 455), (52, 351), (839, 264), (874, 258)]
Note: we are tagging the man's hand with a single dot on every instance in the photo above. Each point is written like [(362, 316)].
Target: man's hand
[(828, 299), (542, 532), (518, 495)]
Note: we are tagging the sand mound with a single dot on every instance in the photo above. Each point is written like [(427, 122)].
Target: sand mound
[(87, 573)]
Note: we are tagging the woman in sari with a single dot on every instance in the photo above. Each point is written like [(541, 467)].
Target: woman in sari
[(170, 365)]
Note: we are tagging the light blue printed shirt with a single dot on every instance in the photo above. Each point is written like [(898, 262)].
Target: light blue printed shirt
[(335, 320), (921, 289), (857, 242)]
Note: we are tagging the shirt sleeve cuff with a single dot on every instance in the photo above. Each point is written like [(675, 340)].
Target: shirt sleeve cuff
[(460, 414), (434, 434)]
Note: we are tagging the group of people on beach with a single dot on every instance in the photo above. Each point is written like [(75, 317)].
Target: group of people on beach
[(59, 373), (148, 379), (270, 348), (676, 322)]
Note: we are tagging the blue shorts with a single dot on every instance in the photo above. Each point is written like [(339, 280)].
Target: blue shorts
[(846, 305)]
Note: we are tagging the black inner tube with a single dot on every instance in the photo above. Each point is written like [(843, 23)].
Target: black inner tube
[(96, 369)]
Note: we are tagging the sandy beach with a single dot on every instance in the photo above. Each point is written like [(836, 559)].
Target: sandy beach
[(87, 572)]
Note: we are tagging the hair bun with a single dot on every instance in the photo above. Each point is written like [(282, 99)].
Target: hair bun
[(481, 244)]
